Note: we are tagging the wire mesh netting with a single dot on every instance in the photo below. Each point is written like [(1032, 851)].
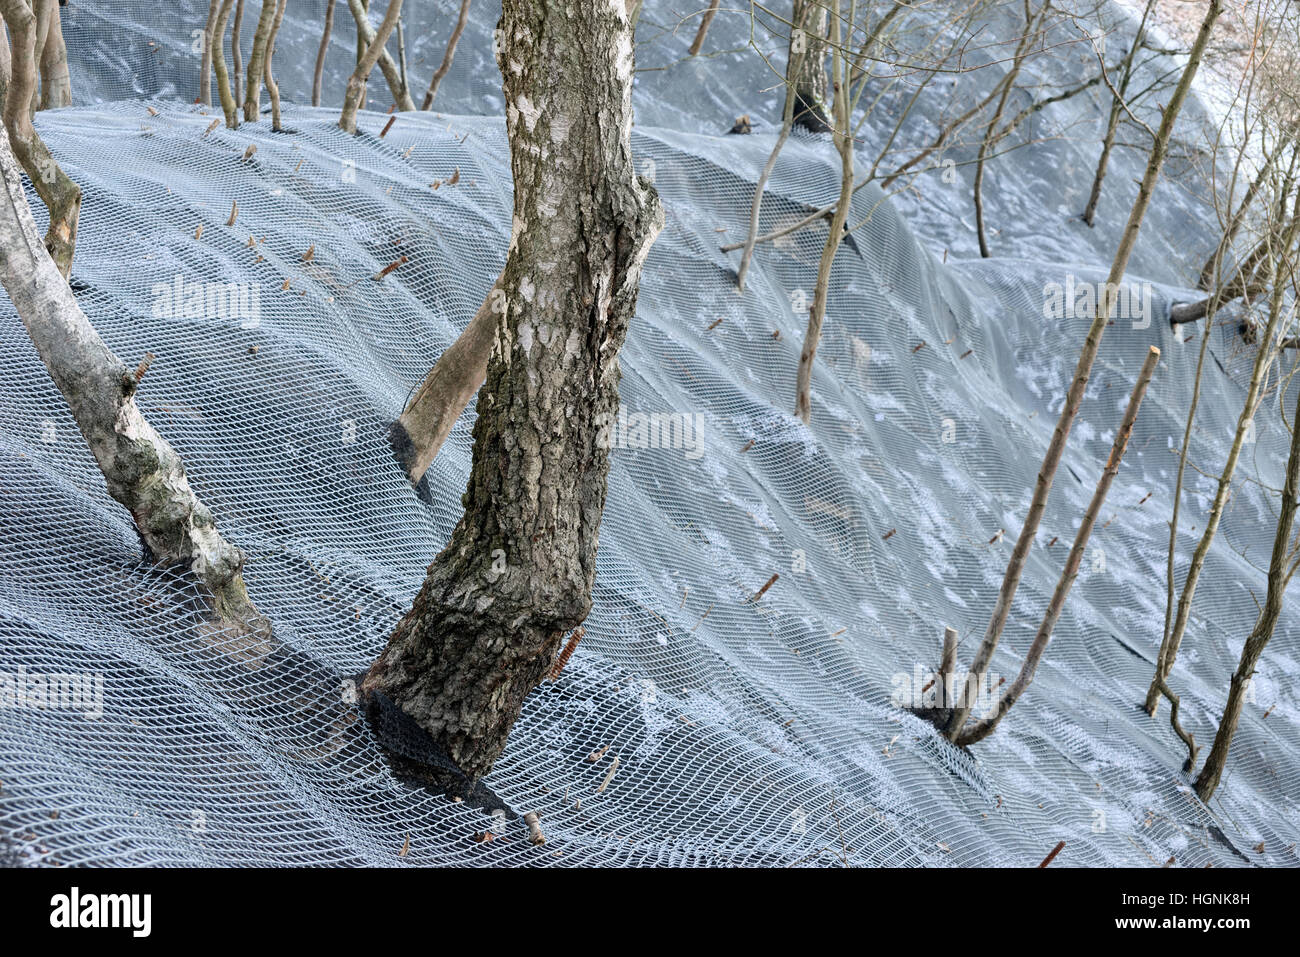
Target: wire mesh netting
[(745, 731)]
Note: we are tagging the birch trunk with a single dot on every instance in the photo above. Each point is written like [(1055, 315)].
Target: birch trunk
[(141, 470), (518, 571)]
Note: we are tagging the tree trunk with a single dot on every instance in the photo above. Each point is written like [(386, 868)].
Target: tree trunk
[(429, 417), (374, 53), (518, 570), (205, 63), (448, 55), (698, 43), (1268, 348), (229, 106), (1278, 576), (843, 136), (1112, 121), (320, 54), (56, 81), (273, 88), (1073, 562), (257, 62), (1082, 372), (236, 54), (807, 55), (61, 196), (141, 470)]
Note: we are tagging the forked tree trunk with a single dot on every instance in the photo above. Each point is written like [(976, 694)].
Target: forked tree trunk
[(1279, 574), (56, 81), (141, 470), (518, 571), (1073, 562), (807, 54), (374, 53), (1083, 370)]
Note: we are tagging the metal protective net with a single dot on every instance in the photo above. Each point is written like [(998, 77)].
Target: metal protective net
[(746, 732)]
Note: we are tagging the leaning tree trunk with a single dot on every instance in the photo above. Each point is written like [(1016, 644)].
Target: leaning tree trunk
[(1082, 372), (518, 571), (1278, 577), (141, 470), (374, 53), (807, 55)]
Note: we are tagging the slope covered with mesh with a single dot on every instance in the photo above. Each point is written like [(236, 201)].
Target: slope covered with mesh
[(746, 732)]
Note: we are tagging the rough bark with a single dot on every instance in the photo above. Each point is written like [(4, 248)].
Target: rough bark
[(518, 570), (374, 53), (807, 53), (141, 470), (986, 726), (1082, 372), (448, 55), (320, 54), (1278, 576), (61, 196)]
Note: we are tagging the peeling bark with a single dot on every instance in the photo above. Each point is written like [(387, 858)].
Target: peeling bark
[(518, 571), (141, 470)]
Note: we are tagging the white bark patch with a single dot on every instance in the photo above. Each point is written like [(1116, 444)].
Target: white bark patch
[(525, 334), (529, 112), (527, 289)]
